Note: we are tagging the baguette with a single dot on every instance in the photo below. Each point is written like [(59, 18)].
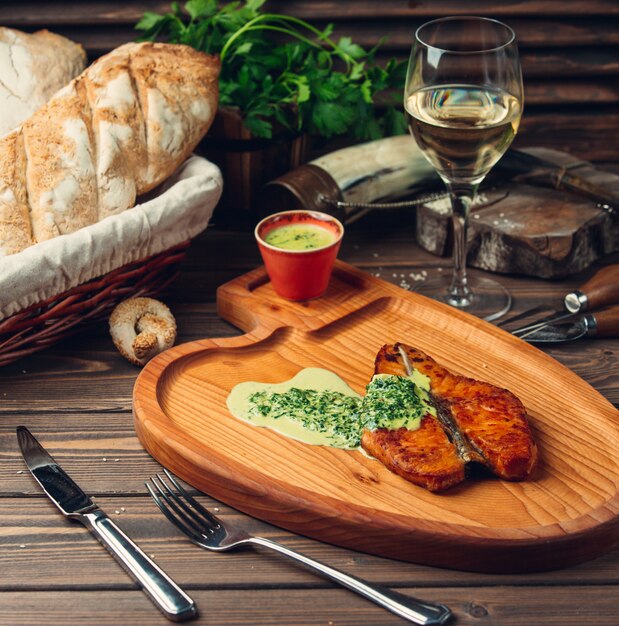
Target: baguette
[(113, 133), (32, 69)]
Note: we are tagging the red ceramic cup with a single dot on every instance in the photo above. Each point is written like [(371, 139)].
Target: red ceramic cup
[(299, 274)]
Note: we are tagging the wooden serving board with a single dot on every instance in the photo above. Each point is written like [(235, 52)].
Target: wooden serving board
[(568, 513)]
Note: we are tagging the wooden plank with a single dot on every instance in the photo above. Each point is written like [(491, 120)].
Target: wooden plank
[(575, 62), (583, 63), (539, 32), (567, 55), (52, 12), (472, 606), (80, 443), (52, 543), (582, 132), (383, 238), (430, 8), (535, 31), (536, 62), (48, 14), (569, 92), (551, 78)]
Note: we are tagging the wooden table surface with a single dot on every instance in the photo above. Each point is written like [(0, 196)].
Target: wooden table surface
[(76, 398)]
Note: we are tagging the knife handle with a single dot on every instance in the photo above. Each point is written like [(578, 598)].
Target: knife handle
[(606, 322), (171, 600), (602, 289), (582, 187)]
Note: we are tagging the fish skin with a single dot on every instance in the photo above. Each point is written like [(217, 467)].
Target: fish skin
[(492, 420)]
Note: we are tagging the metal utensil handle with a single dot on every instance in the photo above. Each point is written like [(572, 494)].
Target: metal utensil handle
[(173, 602), (408, 608)]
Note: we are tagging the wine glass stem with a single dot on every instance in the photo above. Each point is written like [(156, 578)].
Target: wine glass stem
[(461, 200)]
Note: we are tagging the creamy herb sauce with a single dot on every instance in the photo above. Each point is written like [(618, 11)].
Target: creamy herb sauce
[(317, 407), (300, 237)]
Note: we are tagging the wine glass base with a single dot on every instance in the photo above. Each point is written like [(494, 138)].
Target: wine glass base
[(488, 300)]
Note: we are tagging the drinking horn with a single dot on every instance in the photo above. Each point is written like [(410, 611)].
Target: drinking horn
[(344, 182)]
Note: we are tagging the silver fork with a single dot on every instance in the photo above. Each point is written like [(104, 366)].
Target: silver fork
[(208, 531)]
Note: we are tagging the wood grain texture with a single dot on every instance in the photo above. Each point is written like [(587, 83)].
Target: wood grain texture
[(129, 12), (484, 606), (565, 515), (93, 20), (58, 547), (525, 228), (76, 398)]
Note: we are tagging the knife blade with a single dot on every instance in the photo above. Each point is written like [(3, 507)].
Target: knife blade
[(603, 323), (524, 167), (601, 290), (171, 600)]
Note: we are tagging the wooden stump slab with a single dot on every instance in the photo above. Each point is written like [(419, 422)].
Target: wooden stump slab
[(518, 228)]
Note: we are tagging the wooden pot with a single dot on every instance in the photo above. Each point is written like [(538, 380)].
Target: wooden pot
[(247, 162)]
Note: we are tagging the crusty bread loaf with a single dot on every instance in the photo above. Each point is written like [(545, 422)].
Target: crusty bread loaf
[(32, 69), (113, 133)]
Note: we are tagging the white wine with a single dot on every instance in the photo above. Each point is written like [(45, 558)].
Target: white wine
[(463, 99), (463, 129)]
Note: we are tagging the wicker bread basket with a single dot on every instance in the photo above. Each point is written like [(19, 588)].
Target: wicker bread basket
[(56, 288)]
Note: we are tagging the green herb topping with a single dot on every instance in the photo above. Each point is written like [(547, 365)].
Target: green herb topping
[(330, 412), (391, 402)]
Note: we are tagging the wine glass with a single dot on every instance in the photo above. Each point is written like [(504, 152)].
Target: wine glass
[(463, 99)]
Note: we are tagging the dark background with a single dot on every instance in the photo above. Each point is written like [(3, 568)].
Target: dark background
[(569, 50)]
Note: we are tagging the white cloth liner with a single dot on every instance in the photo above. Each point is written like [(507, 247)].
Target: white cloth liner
[(176, 211)]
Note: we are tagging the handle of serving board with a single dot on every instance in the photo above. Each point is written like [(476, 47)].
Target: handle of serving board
[(249, 301)]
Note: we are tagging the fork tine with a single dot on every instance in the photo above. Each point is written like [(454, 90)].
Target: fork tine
[(213, 519), (182, 508), (171, 517)]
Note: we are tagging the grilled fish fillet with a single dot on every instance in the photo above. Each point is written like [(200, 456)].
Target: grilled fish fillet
[(476, 421), (424, 456)]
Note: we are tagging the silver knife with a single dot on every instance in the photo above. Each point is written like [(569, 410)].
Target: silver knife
[(171, 600)]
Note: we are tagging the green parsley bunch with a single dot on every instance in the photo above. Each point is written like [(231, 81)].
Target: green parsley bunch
[(278, 68)]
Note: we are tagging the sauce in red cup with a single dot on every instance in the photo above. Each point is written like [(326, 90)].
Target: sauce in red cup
[(298, 249)]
